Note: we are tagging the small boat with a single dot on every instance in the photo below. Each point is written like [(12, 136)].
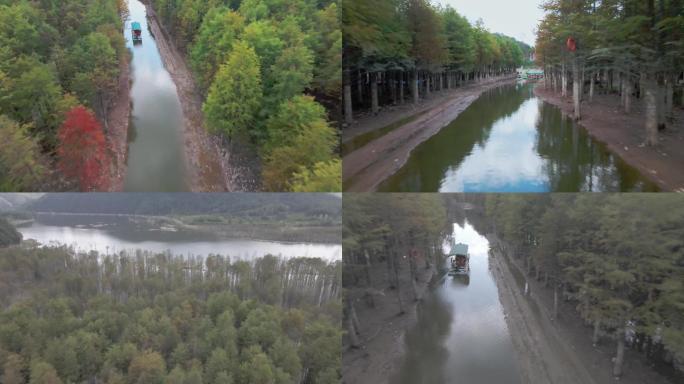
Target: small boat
[(459, 260), (136, 32)]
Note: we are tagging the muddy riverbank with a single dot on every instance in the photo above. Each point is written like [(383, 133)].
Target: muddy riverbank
[(556, 350), (119, 119), (365, 168), (383, 327), (625, 134)]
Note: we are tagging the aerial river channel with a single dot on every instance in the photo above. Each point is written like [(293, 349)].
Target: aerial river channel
[(156, 159), (461, 335), (511, 141)]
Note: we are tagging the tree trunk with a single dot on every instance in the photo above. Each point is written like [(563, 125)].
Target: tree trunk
[(591, 87), (576, 87), (564, 81), (414, 88), (651, 110), (555, 301), (669, 98), (351, 331), (628, 95), (595, 336), (359, 88), (348, 112), (375, 108), (620, 357), (401, 87)]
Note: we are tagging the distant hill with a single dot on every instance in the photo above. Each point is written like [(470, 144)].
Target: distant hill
[(237, 204), (16, 201)]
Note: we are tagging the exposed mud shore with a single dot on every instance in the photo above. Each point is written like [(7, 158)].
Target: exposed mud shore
[(365, 168), (624, 134)]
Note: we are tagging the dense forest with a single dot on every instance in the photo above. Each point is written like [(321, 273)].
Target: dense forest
[(265, 67), (157, 318), (629, 48), (59, 67), (272, 206), (619, 258), (394, 48), (382, 229)]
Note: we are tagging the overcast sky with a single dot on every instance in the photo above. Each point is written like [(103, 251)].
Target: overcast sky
[(516, 18)]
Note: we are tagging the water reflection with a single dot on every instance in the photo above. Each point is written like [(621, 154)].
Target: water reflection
[(461, 335), (156, 154), (510, 141), (111, 234)]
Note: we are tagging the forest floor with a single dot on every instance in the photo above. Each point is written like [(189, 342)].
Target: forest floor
[(382, 327), (366, 167), (625, 135), (209, 163), (119, 119), (557, 350)]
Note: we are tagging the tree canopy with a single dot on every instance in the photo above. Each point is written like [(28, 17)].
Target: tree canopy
[(254, 59), (53, 56), (156, 318)]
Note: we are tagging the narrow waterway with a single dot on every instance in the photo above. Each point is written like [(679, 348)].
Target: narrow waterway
[(511, 141), (155, 150), (461, 335)]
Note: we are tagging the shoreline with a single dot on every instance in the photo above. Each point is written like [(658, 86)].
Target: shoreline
[(382, 338), (119, 119), (624, 136), (556, 350), (365, 168)]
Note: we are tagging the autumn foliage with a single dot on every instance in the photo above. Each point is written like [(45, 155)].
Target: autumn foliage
[(82, 150)]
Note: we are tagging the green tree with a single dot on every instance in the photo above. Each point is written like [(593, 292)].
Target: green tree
[(148, 367), (43, 373), (299, 136), (215, 39), (235, 96), (323, 177)]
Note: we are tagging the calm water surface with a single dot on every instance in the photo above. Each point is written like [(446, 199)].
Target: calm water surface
[(461, 335), (155, 151), (110, 234), (511, 141)]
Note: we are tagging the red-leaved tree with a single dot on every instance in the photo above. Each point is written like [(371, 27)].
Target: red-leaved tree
[(82, 150)]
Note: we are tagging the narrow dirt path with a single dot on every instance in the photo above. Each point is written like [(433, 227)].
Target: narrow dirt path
[(203, 155), (365, 168)]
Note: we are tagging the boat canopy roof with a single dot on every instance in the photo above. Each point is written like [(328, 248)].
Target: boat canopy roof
[(459, 249), (136, 26)]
